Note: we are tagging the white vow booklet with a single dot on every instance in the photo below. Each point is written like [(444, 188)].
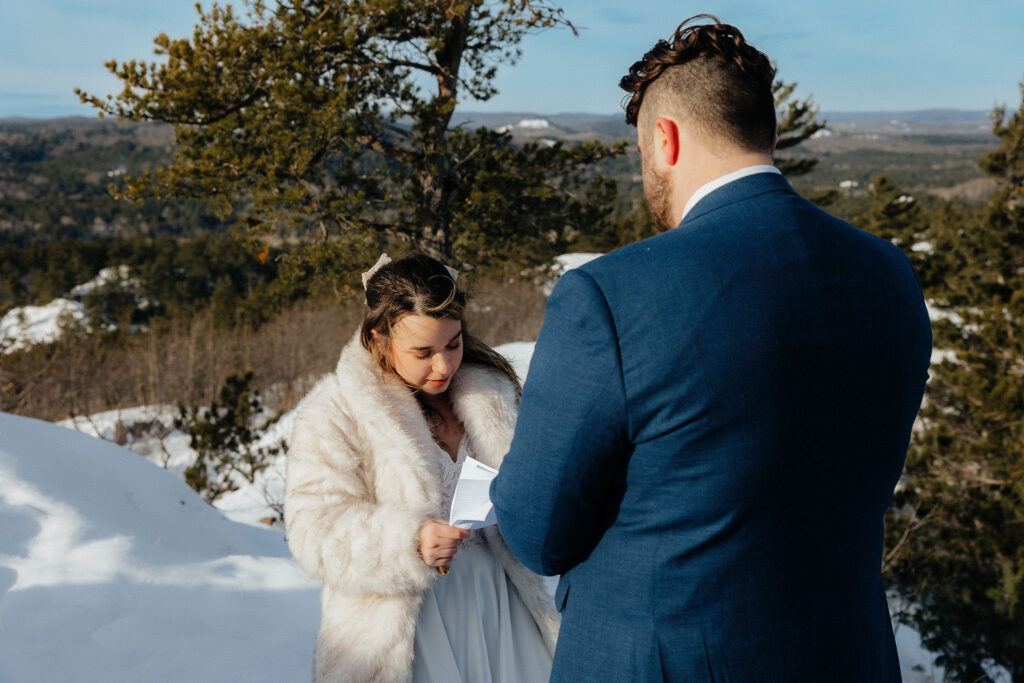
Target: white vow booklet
[(471, 504)]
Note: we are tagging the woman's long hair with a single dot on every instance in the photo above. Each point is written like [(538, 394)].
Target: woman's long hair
[(420, 285)]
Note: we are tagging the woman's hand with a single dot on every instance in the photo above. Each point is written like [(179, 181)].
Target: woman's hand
[(438, 542)]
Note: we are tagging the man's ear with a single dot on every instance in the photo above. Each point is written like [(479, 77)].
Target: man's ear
[(666, 141), (775, 142)]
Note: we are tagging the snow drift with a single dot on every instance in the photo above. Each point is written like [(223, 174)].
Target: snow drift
[(113, 569)]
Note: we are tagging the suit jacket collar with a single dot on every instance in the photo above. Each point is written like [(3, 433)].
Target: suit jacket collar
[(737, 191)]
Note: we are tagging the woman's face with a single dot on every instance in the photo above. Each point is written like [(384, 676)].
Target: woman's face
[(426, 351)]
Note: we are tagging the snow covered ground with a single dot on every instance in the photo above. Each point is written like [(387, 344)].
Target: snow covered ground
[(569, 261), (563, 263), (28, 325), (149, 431), (119, 276), (519, 354), (111, 569)]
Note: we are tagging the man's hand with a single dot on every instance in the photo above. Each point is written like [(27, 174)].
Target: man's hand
[(438, 542)]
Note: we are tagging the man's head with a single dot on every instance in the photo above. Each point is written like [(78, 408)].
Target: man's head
[(707, 87)]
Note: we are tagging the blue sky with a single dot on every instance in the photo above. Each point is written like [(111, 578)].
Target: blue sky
[(863, 56)]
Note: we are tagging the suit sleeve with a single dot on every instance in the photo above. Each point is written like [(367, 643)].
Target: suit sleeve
[(335, 530), (555, 491)]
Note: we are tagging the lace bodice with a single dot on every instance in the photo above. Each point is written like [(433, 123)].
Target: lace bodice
[(450, 479)]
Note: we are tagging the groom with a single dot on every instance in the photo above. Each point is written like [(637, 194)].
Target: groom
[(716, 416)]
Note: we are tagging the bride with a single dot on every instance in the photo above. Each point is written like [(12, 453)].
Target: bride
[(376, 452)]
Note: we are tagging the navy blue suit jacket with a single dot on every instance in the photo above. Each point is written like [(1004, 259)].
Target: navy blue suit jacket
[(710, 434)]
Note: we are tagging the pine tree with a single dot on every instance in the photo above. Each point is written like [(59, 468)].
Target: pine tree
[(894, 215), (955, 535), (335, 117), (224, 438), (797, 121)]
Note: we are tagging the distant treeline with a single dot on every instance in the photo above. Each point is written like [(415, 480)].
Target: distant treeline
[(237, 280), (59, 180)]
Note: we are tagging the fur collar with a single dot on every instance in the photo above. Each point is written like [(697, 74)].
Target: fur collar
[(390, 418)]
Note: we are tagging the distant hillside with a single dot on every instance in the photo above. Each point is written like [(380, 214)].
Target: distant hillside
[(54, 173), (923, 122), (521, 124), (971, 116), (574, 121), (952, 120), (60, 135), (570, 120), (571, 126)]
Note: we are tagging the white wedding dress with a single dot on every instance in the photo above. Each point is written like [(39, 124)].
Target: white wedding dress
[(473, 627)]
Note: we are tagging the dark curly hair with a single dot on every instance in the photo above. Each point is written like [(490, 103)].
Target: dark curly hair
[(710, 75)]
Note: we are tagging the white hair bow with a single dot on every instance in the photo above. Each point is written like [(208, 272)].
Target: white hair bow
[(385, 259), (381, 262)]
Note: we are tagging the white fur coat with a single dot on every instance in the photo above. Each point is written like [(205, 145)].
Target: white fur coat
[(362, 475)]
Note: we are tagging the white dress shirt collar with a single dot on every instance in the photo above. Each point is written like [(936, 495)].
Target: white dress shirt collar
[(708, 188)]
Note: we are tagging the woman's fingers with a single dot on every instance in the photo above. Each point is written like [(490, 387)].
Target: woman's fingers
[(438, 542), (442, 552), (442, 529), (446, 531), (440, 561)]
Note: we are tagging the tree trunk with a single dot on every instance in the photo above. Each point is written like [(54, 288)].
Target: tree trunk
[(435, 182)]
